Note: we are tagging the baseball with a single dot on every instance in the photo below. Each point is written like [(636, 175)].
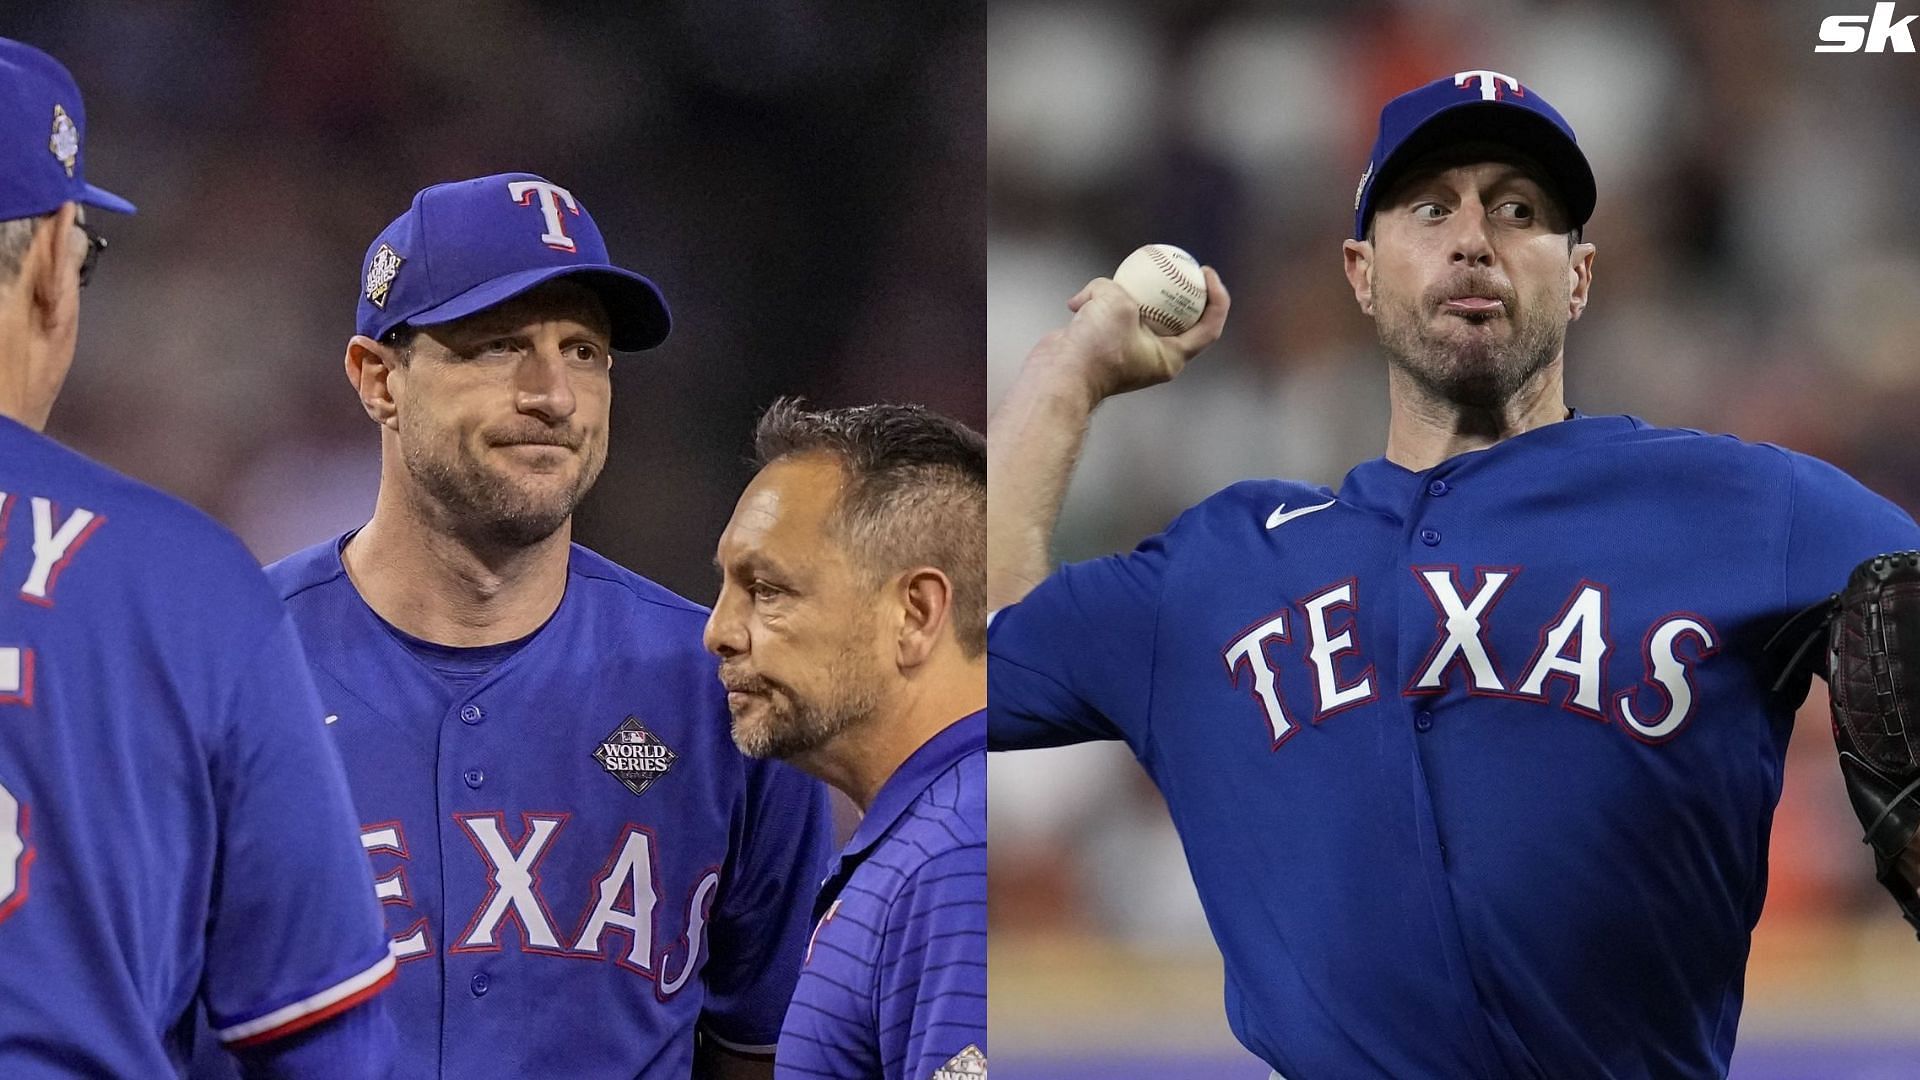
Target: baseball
[(1166, 283)]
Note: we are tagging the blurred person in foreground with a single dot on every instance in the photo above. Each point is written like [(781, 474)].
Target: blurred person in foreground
[(1475, 758), (583, 876), (174, 825), (851, 629)]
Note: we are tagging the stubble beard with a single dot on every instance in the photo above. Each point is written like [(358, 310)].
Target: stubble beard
[(1469, 369), (791, 726), (483, 506)]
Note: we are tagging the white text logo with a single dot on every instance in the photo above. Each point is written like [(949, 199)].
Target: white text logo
[(1866, 33)]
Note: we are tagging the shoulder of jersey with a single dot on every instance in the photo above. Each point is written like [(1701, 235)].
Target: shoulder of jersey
[(1706, 445), (593, 566), (1251, 500), (173, 545), (970, 781), (306, 568)]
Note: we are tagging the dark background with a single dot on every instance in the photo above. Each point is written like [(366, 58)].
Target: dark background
[(803, 178)]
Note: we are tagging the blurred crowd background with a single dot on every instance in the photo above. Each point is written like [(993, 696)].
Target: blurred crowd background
[(801, 178), (1758, 272)]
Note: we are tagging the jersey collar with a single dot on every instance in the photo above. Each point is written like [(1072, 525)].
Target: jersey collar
[(964, 736), (1382, 485)]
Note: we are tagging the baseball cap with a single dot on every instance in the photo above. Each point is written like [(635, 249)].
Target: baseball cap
[(465, 246), (42, 128), (1475, 105)]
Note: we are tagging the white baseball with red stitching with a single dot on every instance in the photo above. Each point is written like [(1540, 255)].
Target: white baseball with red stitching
[(1167, 284)]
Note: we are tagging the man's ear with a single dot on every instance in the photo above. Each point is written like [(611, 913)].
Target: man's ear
[(1580, 279), (370, 368), (1359, 256), (52, 264), (926, 598)]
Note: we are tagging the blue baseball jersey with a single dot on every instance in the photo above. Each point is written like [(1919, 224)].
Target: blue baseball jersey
[(895, 982), (578, 866), (175, 828), (1474, 767)]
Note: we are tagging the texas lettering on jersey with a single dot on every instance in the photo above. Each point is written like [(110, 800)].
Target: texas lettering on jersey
[(623, 899), (1572, 649)]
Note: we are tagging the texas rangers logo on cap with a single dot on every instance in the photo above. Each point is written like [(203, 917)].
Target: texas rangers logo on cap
[(65, 140)]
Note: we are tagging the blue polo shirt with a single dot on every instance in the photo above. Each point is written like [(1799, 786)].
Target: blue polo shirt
[(895, 980)]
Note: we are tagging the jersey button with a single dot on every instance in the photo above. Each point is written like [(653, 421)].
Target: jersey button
[(1438, 488), (1422, 720), (480, 983), (474, 777), (472, 714), (1430, 537)]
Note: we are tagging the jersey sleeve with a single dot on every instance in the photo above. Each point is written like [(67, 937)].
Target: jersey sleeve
[(1835, 524), (933, 967), (357, 1043), (1073, 660), (760, 923), (294, 932)]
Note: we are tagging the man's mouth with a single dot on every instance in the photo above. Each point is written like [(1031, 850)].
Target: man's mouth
[(1473, 306)]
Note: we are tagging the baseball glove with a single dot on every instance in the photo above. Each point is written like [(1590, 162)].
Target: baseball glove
[(1873, 680)]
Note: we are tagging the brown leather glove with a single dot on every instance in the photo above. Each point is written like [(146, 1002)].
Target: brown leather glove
[(1873, 678)]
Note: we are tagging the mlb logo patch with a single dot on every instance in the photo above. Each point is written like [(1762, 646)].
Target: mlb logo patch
[(634, 756)]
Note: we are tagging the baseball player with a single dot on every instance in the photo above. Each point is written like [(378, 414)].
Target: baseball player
[(851, 629), (174, 825), (580, 871), (1475, 757)]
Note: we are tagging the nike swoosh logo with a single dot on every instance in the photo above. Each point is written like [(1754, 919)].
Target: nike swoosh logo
[(1281, 515), (331, 717)]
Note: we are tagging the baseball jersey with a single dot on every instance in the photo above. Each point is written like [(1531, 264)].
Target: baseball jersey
[(895, 982), (577, 865), (1474, 767), (174, 824)]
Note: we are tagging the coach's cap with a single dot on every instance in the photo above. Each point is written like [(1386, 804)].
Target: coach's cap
[(42, 130), (1475, 105), (465, 246)]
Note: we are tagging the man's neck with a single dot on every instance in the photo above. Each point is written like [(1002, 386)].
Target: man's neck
[(26, 357), (442, 588), (1423, 432), (861, 760)]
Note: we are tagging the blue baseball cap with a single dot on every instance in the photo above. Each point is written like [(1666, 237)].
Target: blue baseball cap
[(465, 246), (1469, 106), (42, 128)]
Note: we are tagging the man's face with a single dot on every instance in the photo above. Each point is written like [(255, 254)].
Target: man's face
[(502, 416), (1470, 277), (797, 626)]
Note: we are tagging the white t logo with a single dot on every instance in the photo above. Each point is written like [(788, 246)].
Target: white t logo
[(1489, 83), (550, 196)]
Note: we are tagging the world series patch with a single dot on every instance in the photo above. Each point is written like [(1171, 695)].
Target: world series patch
[(64, 143), (380, 274), (968, 1064), (634, 756)]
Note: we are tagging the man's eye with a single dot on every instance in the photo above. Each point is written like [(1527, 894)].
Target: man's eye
[(1429, 212), (587, 353), (760, 590), (1515, 209)]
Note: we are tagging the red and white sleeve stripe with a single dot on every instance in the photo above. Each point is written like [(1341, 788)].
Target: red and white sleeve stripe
[(311, 1010)]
